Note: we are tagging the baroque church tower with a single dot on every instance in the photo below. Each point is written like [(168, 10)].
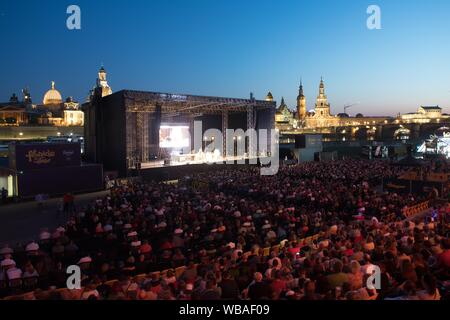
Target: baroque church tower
[(322, 106), (301, 103), (103, 83)]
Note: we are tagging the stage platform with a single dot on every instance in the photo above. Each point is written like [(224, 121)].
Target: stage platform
[(189, 160), (158, 171)]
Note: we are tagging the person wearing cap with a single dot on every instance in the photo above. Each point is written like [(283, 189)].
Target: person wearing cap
[(7, 263), (32, 249), (85, 263), (6, 252), (45, 235)]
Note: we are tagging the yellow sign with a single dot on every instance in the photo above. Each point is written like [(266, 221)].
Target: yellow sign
[(40, 157), (438, 177), (199, 185)]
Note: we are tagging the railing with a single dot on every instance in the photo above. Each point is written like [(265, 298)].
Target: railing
[(419, 208), (430, 177)]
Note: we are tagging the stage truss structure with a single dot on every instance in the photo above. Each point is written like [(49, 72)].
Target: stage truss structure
[(140, 106)]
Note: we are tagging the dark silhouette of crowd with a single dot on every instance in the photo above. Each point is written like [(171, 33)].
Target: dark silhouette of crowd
[(239, 235)]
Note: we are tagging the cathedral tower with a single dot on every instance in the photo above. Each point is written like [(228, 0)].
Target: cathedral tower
[(301, 103), (322, 106), (103, 83)]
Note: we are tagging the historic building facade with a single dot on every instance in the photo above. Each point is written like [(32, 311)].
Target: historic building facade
[(425, 114), (342, 127), (13, 113), (91, 113), (320, 119), (53, 111)]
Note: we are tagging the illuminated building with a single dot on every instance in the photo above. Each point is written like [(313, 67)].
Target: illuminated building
[(320, 118), (425, 114), (284, 115), (102, 88), (54, 111), (301, 103), (343, 127), (73, 116), (13, 113), (52, 97)]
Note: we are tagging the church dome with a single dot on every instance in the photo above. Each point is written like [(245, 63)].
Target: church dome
[(52, 96), (269, 96)]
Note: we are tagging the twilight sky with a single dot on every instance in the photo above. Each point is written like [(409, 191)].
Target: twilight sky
[(234, 47)]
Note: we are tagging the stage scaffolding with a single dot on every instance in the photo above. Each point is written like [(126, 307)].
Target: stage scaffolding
[(128, 133), (140, 106)]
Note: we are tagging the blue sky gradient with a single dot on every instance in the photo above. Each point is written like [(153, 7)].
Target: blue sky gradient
[(232, 48)]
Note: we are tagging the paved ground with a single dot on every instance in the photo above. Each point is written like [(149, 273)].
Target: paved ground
[(22, 222)]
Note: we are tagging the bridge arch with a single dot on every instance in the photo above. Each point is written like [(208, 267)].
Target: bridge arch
[(402, 133)]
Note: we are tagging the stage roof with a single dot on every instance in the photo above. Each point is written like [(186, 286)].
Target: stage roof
[(142, 101)]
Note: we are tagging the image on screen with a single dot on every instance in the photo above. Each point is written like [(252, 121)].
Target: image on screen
[(174, 136)]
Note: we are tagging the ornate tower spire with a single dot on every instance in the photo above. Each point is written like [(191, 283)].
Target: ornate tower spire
[(300, 91), (301, 102), (321, 87), (322, 106), (102, 83)]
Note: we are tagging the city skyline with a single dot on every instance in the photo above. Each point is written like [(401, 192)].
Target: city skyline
[(232, 49)]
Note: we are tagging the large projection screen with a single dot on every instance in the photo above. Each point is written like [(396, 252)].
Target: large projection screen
[(174, 136)]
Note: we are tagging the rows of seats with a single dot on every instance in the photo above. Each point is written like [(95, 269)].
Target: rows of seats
[(408, 212), (179, 271)]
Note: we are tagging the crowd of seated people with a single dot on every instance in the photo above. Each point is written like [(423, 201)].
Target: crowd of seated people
[(211, 241)]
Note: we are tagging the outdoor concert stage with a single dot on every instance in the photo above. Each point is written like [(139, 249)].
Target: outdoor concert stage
[(133, 129), (190, 161), (157, 171)]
